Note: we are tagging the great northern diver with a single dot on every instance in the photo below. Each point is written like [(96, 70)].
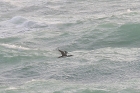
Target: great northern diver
[(64, 54)]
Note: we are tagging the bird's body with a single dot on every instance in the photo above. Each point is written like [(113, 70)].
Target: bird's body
[(64, 54)]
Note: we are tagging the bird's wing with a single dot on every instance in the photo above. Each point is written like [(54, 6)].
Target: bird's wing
[(62, 52)]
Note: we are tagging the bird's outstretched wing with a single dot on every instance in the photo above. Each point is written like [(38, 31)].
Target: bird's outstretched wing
[(63, 53)]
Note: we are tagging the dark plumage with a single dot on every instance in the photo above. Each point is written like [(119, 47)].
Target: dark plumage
[(64, 54)]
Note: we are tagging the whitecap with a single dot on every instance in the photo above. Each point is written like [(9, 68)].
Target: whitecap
[(18, 20), (11, 88), (33, 24), (14, 46)]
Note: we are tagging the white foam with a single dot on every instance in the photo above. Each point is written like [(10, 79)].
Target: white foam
[(11, 88), (113, 54), (128, 10), (14, 46), (18, 20), (29, 24)]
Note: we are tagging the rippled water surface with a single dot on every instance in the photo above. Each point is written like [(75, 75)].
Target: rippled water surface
[(103, 36)]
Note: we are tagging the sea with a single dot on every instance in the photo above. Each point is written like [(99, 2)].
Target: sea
[(102, 35)]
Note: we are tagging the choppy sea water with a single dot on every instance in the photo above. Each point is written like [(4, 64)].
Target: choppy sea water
[(103, 36)]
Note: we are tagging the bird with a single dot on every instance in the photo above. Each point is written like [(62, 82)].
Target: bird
[(64, 54)]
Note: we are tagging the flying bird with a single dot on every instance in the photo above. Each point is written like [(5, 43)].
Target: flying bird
[(64, 54)]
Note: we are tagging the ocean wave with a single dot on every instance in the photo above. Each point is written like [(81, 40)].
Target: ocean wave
[(56, 86), (14, 46), (111, 36), (103, 36), (18, 20), (23, 22), (126, 35)]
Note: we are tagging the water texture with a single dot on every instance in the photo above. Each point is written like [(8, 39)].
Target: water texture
[(103, 36)]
